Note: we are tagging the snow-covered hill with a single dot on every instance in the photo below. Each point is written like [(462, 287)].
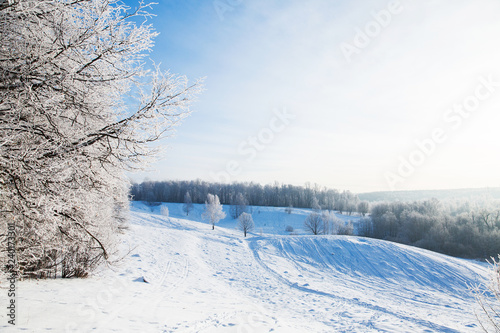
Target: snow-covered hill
[(268, 220), (178, 275)]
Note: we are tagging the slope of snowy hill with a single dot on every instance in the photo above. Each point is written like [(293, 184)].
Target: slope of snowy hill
[(178, 275)]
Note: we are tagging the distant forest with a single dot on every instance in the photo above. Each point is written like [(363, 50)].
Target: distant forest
[(406, 196), (462, 228), (467, 228), (276, 195)]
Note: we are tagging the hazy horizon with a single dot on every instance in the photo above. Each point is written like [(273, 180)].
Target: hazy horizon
[(380, 96)]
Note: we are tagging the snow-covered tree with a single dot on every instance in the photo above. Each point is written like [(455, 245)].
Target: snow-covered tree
[(350, 207), (188, 204), (245, 223), (77, 107), (213, 210), (345, 229), (315, 205), (363, 207), (314, 223), (329, 221), (341, 205)]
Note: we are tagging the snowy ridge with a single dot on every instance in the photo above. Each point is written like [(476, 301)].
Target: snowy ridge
[(178, 275), (349, 269)]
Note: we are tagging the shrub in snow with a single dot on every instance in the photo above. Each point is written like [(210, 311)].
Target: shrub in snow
[(164, 211), (488, 299), (346, 229), (289, 228), (330, 222)]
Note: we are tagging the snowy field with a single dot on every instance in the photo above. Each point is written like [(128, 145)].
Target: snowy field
[(203, 280)]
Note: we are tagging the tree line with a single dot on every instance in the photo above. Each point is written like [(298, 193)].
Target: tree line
[(253, 194), (464, 229)]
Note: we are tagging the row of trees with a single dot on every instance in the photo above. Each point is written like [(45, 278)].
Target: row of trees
[(458, 228), (77, 108), (244, 194)]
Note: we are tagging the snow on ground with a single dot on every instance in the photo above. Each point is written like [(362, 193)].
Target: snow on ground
[(203, 280), (268, 220)]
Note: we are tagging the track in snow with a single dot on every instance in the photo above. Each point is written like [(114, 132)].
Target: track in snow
[(411, 284)]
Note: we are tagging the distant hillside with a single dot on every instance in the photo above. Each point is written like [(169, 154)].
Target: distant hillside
[(475, 193)]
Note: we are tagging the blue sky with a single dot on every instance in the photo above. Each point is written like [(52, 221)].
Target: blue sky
[(358, 95)]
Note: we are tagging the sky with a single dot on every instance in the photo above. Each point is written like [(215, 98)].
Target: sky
[(353, 95)]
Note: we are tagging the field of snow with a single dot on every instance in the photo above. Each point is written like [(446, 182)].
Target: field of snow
[(177, 275), (268, 220)]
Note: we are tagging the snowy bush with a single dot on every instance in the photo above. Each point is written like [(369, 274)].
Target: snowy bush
[(346, 229), (332, 225), (488, 299), (164, 211), (289, 228)]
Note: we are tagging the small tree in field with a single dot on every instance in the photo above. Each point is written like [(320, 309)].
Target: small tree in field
[(245, 223), (213, 210), (188, 204), (314, 224)]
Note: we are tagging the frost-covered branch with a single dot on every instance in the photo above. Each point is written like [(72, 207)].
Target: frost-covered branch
[(488, 299), (78, 106)]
